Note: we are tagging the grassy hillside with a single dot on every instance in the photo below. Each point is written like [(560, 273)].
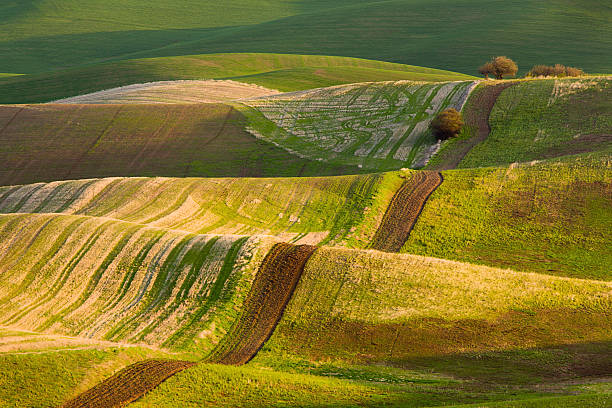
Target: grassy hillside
[(59, 142), (376, 126), (366, 328), (551, 217), (50, 34), (276, 71), (111, 280), (342, 210), (540, 119), (47, 378)]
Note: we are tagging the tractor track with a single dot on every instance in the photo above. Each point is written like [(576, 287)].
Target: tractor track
[(404, 210)]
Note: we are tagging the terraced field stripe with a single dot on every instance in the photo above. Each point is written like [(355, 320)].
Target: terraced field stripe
[(95, 279), (197, 256), (7, 192), (128, 385), (56, 190), (177, 204), (272, 289), (26, 197), (77, 194), (64, 275), (476, 114), (195, 322), (404, 210), (50, 254)]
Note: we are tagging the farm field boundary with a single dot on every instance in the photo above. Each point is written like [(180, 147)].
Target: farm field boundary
[(404, 210)]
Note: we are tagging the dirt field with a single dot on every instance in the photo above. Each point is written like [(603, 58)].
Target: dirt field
[(476, 115)]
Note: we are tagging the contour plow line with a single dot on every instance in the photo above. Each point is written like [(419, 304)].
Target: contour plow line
[(404, 210), (274, 284)]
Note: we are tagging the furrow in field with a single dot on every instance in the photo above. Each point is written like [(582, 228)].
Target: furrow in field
[(404, 210), (272, 289), (128, 385)]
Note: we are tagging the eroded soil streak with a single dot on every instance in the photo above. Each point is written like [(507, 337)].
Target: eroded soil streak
[(128, 385), (272, 289), (404, 210), (476, 116)]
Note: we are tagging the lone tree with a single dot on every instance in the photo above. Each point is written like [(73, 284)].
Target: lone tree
[(447, 124), (487, 69), (500, 67)]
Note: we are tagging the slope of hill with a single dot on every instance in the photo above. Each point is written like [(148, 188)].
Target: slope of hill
[(376, 126), (341, 210), (542, 119), (104, 279), (551, 217), (59, 142), (276, 71), (50, 34)]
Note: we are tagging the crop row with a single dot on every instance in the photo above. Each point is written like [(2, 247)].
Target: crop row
[(372, 125), (111, 280)]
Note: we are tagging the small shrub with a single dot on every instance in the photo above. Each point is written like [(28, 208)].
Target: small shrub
[(447, 124), (557, 70)]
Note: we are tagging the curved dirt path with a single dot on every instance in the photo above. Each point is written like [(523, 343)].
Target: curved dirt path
[(404, 210), (476, 116), (128, 385), (274, 284)]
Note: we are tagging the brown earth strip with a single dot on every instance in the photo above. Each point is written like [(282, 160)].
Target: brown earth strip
[(272, 289), (476, 116), (404, 210), (128, 385)]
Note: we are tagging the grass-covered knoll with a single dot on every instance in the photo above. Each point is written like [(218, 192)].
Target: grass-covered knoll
[(550, 217), (48, 378), (44, 35), (541, 119), (376, 126), (104, 279), (59, 142), (341, 210), (275, 71)]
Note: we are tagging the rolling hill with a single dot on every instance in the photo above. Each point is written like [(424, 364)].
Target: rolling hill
[(276, 71), (46, 35)]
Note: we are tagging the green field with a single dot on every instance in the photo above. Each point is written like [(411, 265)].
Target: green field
[(550, 217), (542, 119), (221, 204), (45, 35), (282, 72)]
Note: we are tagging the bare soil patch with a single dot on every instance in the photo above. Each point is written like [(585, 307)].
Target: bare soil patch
[(208, 91)]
